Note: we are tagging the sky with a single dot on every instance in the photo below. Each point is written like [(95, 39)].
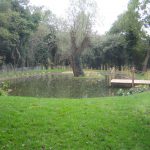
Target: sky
[(108, 10)]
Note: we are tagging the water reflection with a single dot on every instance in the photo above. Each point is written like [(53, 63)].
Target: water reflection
[(61, 86)]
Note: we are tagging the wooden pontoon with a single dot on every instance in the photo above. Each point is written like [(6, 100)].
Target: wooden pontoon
[(128, 82)]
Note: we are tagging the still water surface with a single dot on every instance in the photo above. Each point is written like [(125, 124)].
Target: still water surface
[(61, 86)]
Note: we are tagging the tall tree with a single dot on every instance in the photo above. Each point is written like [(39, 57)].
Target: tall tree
[(132, 31), (17, 24), (144, 9), (43, 42), (81, 19)]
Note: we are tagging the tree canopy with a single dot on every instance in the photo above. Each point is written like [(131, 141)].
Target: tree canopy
[(32, 36)]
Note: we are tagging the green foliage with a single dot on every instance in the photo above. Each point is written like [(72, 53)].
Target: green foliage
[(120, 92), (144, 7), (131, 91), (4, 34), (3, 93), (111, 49), (16, 25), (125, 43), (132, 32), (43, 42), (46, 49), (41, 55), (26, 32), (4, 87)]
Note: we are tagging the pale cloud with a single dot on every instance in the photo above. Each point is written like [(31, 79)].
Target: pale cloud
[(108, 10)]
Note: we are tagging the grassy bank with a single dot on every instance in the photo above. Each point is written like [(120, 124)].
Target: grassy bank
[(116, 123), (7, 75), (30, 73), (27, 73)]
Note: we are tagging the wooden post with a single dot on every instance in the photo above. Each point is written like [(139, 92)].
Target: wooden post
[(110, 78), (112, 75), (101, 67), (133, 71)]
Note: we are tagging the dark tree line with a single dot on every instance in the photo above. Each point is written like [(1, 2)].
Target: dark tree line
[(16, 25), (31, 36), (127, 42)]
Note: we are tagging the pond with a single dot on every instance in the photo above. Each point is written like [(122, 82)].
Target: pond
[(61, 86)]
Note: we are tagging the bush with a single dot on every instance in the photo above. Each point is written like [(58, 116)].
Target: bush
[(4, 87), (3, 93), (121, 92), (132, 91)]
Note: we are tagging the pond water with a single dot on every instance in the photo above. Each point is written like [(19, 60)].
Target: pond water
[(61, 86)]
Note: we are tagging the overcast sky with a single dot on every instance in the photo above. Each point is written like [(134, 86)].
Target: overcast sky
[(107, 12)]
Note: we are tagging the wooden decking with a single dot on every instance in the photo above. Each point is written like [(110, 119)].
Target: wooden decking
[(128, 82)]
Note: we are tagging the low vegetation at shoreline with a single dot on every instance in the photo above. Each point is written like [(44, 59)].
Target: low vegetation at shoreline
[(89, 73), (27, 73), (96, 123)]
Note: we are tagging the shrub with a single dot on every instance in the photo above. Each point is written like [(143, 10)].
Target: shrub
[(4, 87), (132, 91), (3, 93)]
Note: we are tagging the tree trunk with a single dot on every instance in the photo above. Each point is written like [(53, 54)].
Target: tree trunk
[(76, 54), (145, 63), (76, 66)]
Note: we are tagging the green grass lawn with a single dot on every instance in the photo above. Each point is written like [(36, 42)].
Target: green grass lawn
[(113, 123)]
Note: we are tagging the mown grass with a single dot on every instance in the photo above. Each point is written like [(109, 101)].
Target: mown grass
[(112, 123)]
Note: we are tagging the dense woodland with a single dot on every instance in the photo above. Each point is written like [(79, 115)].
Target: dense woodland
[(33, 36)]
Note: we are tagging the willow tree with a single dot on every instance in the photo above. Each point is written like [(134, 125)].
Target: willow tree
[(81, 19)]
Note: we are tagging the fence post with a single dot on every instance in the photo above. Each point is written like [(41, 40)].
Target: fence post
[(133, 72), (111, 75)]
